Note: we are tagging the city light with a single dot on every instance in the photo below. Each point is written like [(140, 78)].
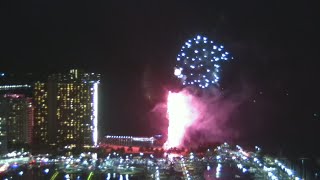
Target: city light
[(6, 87), (189, 163), (95, 113)]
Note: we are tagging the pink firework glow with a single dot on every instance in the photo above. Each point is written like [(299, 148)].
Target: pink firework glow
[(181, 115)]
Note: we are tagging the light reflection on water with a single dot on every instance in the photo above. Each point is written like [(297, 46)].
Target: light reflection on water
[(50, 173), (209, 171)]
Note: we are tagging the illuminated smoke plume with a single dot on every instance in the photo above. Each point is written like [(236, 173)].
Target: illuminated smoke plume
[(181, 115), (196, 119)]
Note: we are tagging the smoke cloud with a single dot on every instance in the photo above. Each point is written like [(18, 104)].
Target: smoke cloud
[(213, 123)]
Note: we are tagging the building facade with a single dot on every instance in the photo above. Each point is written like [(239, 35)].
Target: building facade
[(16, 110), (66, 109), (17, 119), (40, 133), (3, 126)]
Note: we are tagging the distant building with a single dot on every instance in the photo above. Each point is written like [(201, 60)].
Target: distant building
[(3, 128), (154, 141), (66, 109), (17, 119), (18, 83), (16, 111), (24, 89)]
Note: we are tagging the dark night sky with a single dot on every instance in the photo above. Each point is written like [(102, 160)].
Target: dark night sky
[(274, 46)]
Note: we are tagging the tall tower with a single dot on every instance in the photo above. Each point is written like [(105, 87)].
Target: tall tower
[(40, 133), (66, 109)]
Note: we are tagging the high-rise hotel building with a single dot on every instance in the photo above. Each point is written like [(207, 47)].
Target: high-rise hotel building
[(16, 112), (66, 109), (16, 119)]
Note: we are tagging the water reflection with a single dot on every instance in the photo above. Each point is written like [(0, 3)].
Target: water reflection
[(51, 173)]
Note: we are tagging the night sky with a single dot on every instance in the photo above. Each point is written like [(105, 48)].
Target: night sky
[(274, 48)]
